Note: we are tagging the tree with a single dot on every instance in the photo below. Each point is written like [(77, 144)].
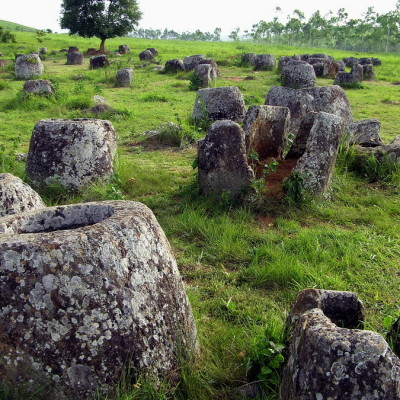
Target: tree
[(39, 35), (234, 35), (103, 19), (6, 36)]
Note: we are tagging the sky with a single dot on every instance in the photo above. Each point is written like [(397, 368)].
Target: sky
[(184, 15)]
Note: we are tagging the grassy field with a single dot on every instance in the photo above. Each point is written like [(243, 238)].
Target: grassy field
[(242, 265)]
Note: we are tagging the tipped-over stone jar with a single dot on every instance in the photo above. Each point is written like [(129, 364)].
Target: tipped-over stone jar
[(85, 291)]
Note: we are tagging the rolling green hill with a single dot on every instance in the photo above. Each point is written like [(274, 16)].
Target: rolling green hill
[(13, 27)]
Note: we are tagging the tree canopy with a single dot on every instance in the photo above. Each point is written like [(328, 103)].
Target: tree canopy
[(103, 19)]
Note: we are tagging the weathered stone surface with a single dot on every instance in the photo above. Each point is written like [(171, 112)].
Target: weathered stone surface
[(350, 61), (300, 142), (222, 160), (365, 61), (368, 72), (219, 103), (298, 75), (266, 130), (329, 361), (206, 74), (74, 153), (153, 51), (248, 58), (73, 49), (376, 61), (299, 102), (39, 86), (191, 61), (124, 77), (332, 100), (146, 55), (283, 60), (324, 67), (264, 62), (16, 196), (28, 66), (87, 290), (350, 78), (75, 58), (391, 150), (174, 65), (99, 61), (124, 49), (211, 62), (317, 162), (43, 51), (168, 134), (365, 133)]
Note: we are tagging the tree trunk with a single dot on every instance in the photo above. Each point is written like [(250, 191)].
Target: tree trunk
[(102, 47)]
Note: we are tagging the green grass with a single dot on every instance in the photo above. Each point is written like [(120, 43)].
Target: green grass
[(242, 266)]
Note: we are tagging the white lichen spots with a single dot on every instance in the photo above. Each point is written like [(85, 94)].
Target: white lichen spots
[(74, 321), (36, 296), (319, 396), (50, 282), (20, 318), (56, 378), (35, 365), (85, 269)]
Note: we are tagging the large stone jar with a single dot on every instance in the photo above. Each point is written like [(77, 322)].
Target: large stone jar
[(85, 291), (73, 153), (28, 66)]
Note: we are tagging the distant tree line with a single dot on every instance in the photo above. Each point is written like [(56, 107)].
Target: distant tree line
[(173, 35), (372, 32)]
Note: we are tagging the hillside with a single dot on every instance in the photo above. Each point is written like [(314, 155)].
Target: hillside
[(13, 27)]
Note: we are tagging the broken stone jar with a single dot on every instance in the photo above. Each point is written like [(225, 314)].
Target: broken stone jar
[(87, 290)]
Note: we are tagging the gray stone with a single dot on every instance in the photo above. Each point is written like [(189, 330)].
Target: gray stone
[(28, 66), (247, 59), (299, 145), (124, 77), (99, 61), (368, 72), (299, 102), (16, 196), (39, 86), (191, 61), (330, 359), (206, 74), (43, 51), (87, 291), (350, 78), (124, 49), (266, 130), (365, 133), (73, 49), (153, 51), (146, 55), (74, 153), (211, 62), (222, 160), (298, 75), (391, 150), (264, 62), (350, 61), (75, 58), (283, 60), (324, 67), (219, 103), (317, 162), (174, 65)]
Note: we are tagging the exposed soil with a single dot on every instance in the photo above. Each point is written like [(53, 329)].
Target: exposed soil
[(234, 79), (273, 181)]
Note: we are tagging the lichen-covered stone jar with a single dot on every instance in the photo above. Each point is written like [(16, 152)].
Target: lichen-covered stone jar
[(73, 153), (86, 290)]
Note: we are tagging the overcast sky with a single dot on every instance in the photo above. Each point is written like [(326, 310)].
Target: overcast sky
[(184, 15)]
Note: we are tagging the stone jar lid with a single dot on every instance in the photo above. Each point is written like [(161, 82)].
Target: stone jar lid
[(86, 289)]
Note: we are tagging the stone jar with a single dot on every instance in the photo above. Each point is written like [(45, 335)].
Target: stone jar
[(28, 66), (16, 196), (87, 290), (73, 153)]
